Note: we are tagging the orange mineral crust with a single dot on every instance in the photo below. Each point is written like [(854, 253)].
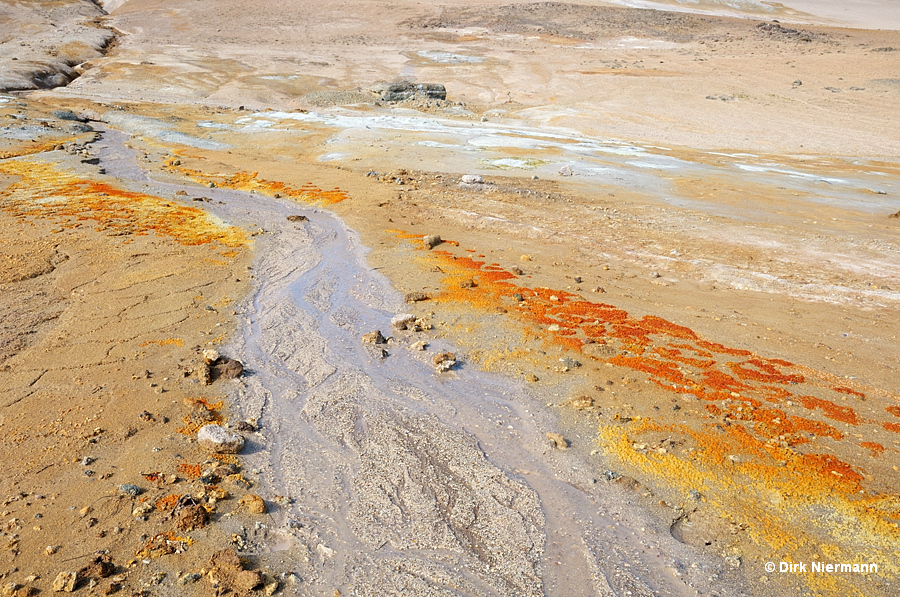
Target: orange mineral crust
[(46, 191), (30, 149), (768, 424), (250, 181), (168, 502)]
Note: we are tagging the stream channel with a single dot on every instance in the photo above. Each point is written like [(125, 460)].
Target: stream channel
[(404, 481)]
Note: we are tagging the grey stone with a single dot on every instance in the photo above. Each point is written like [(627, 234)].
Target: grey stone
[(129, 489), (404, 90), (65, 115)]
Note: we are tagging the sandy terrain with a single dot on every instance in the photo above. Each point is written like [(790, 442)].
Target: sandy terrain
[(668, 281)]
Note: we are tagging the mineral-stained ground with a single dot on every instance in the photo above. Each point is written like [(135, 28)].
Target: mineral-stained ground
[(633, 272)]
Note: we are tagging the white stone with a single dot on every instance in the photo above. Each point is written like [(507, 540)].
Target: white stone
[(216, 438), (402, 321)]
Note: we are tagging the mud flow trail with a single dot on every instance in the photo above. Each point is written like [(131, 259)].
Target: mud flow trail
[(401, 480)]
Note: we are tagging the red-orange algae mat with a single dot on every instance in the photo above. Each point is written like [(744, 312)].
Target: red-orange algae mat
[(760, 451)]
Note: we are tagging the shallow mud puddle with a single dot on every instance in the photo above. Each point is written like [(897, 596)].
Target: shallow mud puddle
[(400, 480)]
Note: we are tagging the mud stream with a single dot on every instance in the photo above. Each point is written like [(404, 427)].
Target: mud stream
[(402, 480)]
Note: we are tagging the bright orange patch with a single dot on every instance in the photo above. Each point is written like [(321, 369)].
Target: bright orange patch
[(44, 191)]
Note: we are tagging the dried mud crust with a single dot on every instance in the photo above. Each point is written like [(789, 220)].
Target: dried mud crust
[(421, 486), (95, 433), (28, 305)]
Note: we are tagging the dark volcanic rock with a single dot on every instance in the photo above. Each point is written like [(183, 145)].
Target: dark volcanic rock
[(404, 90)]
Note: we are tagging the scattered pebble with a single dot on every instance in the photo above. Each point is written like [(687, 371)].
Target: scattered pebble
[(244, 426), (444, 361), (188, 578), (130, 490), (557, 440), (65, 582), (191, 517), (253, 504), (211, 355), (402, 321), (374, 338)]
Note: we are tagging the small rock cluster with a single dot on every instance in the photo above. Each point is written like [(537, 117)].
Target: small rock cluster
[(214, 366)]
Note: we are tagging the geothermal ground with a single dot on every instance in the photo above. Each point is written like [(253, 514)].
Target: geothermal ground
[(633, 268)]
